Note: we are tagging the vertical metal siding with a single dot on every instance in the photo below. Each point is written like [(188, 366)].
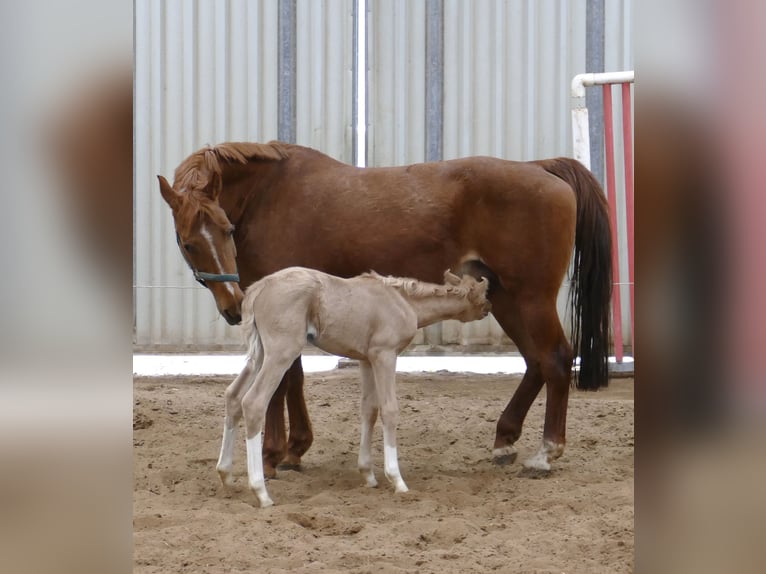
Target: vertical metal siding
[(508, 67), (192, 62), (206, 72), (325, 77), (396, 92)]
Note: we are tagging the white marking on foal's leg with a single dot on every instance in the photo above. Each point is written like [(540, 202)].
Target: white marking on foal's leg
[(219, 268), (391, 462), (255, 470), (548, 452), (226, 458)]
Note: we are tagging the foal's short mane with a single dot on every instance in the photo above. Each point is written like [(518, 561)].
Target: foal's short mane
[(415, 289), (196, 171)]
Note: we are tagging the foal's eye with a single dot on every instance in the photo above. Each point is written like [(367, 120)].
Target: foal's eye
[(230, 231), (189, 247)]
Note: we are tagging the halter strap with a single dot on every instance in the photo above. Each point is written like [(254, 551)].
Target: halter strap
[(203, 277)]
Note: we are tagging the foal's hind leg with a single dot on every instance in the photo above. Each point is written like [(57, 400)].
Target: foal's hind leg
[(254, 406), (233, 400), (369, 414)]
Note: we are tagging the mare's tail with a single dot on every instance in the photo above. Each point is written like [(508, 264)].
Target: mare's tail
[(591, 281)]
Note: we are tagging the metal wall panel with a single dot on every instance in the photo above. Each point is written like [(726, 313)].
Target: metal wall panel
[(325, 77), (396, 87), (206, 72)]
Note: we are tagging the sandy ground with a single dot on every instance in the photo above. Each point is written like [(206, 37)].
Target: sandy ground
[(462, 514)]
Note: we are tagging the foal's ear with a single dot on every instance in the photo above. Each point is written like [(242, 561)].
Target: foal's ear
[(450, 278), (170, 195)]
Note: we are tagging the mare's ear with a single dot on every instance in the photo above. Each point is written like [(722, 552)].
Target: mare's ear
[(450, 278), (170, 195), (214, 186)]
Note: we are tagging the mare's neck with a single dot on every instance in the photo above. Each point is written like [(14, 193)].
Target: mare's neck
[(240, 184), (434, 308)]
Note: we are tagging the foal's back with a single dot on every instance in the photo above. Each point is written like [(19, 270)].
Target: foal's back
[(347, 317)]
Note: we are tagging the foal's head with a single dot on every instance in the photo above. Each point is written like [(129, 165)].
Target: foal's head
[(206, 239), (476, 295)]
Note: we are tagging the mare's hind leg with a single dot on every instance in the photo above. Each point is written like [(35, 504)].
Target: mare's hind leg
[(509, 425), (369, 414), (254, 405), (275, 447), (534, 326), (301, 435)]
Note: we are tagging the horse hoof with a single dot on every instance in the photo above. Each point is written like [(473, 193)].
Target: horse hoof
[(538, 463), (504, 455), (227, 479), (289, 466), (269, 471)]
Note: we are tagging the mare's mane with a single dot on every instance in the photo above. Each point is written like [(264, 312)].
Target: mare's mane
[(196, 171), (418, 289)]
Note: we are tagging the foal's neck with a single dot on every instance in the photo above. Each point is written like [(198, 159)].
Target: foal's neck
[(434, 308)]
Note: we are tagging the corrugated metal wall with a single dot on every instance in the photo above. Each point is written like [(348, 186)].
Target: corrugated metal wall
[(206, 72)]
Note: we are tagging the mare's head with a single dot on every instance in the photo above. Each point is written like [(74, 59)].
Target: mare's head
[(206, 239), (476, 295)]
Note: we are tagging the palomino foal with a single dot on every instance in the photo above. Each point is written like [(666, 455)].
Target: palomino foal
[(370, 318)]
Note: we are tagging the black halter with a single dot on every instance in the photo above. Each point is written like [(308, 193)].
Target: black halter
[(202, 276)]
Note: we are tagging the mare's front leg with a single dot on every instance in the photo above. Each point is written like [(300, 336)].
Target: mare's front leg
[(369, 414), (274, 441), (275, 447), (301, 435), (384, 371)]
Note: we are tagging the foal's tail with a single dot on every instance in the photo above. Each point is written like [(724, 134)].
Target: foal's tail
[(249, 327), (591, 281)]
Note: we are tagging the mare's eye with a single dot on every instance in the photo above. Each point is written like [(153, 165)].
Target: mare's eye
[(230, 231), (189, 247)]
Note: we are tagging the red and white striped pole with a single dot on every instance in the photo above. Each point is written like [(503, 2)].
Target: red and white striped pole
[(582, 153)]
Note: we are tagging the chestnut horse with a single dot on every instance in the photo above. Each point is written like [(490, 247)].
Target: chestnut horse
[(245, 210), (370, 318)]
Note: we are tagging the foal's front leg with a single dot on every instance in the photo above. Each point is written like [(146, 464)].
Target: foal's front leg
[(384, 369), (369, 414)]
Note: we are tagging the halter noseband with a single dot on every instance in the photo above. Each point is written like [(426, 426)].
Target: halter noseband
[(201, 276)]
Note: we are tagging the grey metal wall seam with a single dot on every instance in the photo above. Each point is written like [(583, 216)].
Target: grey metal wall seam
[(287, 70)]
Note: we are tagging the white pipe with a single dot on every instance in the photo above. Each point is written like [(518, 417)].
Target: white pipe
[(581, 80), (581, 135)]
